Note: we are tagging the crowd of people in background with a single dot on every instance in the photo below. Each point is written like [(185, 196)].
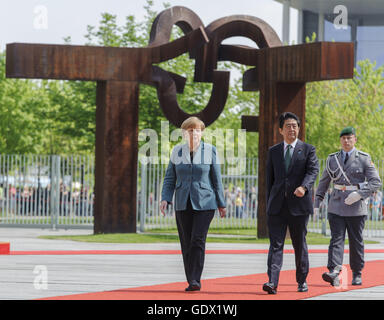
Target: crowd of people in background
[(376, 206), (36, 200), (241, 203)]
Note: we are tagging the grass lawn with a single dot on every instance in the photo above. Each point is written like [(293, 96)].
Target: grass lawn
[(170, 235)]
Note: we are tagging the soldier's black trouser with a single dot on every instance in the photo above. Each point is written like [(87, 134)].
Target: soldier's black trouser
[(354, 226)]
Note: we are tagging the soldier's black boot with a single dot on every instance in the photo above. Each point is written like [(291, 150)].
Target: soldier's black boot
[(332, 278), (356, 281)]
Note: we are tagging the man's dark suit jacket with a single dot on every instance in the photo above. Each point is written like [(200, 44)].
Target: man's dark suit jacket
[(303, 170)]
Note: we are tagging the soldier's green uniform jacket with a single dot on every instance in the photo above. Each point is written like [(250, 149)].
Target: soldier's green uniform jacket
[(359, 175)]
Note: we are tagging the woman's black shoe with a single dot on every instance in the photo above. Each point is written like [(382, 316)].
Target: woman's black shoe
[(193, 286)]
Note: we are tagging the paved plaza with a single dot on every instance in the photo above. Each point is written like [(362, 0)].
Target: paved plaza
[(21, 274)]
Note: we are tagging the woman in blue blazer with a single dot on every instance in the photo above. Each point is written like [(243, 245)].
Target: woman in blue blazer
[(193, 174)]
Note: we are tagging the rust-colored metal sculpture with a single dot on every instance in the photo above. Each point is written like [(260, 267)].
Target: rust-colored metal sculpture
[(279, 73)]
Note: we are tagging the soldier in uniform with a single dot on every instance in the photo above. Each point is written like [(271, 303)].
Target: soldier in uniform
[(354, 179)]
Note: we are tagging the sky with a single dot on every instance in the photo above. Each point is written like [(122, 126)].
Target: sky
[(49, 21)]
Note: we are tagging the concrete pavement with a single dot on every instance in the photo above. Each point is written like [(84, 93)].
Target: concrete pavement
[(22, 276)]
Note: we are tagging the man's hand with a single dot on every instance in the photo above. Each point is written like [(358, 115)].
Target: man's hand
[(352, 198), (316, 211), (223, 212), (299, 192), (163, 206)]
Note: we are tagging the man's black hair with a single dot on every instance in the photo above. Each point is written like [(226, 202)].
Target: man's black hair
[(288, 115)]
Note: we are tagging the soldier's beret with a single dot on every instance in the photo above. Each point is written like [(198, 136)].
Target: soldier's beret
[(348, 131)]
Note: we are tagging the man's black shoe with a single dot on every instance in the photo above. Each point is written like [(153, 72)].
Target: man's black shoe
[(332, 278), (302, 287), (270, 288)]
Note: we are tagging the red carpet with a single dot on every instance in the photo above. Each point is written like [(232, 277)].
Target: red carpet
[(240, 287), (4, 247), (125, 252)]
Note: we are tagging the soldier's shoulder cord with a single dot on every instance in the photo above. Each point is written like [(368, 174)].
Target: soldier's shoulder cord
[(335, 154), (333, 174)]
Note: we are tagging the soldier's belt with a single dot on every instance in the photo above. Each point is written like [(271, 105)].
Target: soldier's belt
[(345, 188)]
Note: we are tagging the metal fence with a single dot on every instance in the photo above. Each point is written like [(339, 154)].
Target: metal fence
[(374, 225), (240, 190), (58, 192), (46, 191)]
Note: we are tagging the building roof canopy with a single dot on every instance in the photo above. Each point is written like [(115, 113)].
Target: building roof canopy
[(354, 7)]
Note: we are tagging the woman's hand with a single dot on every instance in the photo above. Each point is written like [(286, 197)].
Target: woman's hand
[(223, 212), (163, 206)]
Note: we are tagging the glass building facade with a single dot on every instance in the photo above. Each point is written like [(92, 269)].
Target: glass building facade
[(365, 24), (368, 39), (370, 43)]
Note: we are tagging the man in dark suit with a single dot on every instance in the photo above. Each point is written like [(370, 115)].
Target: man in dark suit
[(292, 168)]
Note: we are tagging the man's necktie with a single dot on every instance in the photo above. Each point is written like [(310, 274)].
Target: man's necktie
[(346, 158), (287, 157)]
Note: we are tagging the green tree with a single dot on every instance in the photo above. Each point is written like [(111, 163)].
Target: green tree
[(58, 117), (358, 102), (21, 104), (71, 117)]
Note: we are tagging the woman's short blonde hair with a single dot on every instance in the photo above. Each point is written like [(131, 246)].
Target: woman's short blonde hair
[(192, 122)]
